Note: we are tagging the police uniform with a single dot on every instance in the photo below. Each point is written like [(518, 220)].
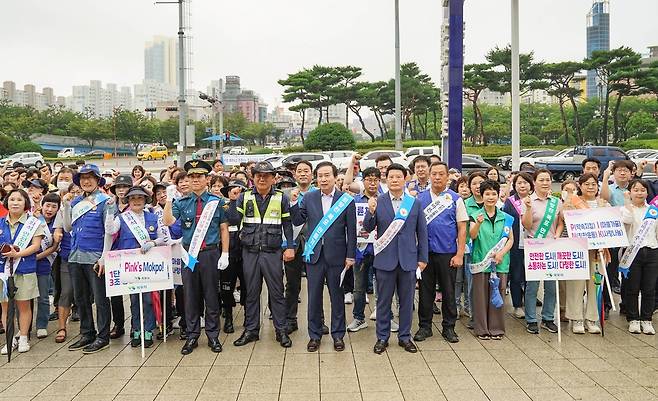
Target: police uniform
[(263, 218), (204, 279), (228, 278)]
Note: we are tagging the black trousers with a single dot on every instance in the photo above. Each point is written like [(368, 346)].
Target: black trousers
[(613, 275), (118, 314), (202, 282), (228, 279), (293, 270), (438, 270), (180, 307), (169, 310), (642, 279)]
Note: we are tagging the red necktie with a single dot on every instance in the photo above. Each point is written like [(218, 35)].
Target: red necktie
[(199, 210)]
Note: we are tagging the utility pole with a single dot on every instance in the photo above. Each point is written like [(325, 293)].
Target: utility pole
[(398, 92), (221, 123), (516, 91)]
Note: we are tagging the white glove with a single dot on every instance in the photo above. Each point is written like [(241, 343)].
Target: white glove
[(147, 246), (222, 263), (419, 274), (171, 193)]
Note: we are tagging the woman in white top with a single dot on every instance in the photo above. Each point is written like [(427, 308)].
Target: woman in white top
[(644, 267)]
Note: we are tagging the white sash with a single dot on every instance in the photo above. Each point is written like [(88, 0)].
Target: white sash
[(159, 212), (400, 218), (648, 224), (47, 242), (24, 238), (434, 209), (200, 233), (86, 205), (139, 231)]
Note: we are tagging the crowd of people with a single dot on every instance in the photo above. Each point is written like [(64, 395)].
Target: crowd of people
[(382, 234)]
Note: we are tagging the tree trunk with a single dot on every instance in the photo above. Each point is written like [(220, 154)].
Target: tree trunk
[(605, 118), (301, 134), (482, 134), (436, 133), (564, 121), (347, 115), (476, 131), (579, 138), (615, 118), (381, 130), (363, 125), (320, 119)]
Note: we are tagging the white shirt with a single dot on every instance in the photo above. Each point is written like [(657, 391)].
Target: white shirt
[(461, 213), (113, 225), (633, 221), (396, 201), (327, 200)]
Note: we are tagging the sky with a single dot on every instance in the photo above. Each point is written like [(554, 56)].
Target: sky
[(64, 43)]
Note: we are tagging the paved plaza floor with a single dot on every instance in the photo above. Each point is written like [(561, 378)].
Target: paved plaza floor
[(619, 366)]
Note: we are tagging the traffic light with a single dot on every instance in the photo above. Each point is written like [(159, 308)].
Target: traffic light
[(150, 109), (172, 108)]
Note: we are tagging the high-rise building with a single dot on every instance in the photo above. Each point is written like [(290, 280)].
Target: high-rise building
[(236, 99), (598, 38), (95, 101), (28, 97), (149, 93), (161, 60)]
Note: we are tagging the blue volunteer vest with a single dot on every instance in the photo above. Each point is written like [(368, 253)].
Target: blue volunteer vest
[(442, 231), (28, 264), (65, 246), (43, 265), (127, 240), (89, 229)]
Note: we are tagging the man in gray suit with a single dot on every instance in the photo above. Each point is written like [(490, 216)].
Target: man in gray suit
[(401, 253), (331, 223)]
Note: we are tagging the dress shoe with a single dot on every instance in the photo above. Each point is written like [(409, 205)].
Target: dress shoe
[(117, 332), (339, 344), (182, 335), (53, 316), (313, 345), (189, 346), (408, 346), (283, 339), (435, 309), (422, 334), (215, 345), (380, 346), (292, 327), (228, 320), (75, 316), (81, 343), (246, 338), (325, 329), (97, 345), (169, 329), (450, 335)]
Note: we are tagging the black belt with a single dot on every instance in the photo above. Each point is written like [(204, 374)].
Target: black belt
[(260, 248), (209, 247)]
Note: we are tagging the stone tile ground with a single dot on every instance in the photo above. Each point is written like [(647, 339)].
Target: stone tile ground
[(619, 366)]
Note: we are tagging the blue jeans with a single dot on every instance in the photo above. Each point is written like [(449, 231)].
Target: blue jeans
[(149, 316), (464, 284), (548, 308), (361, 270), (43, 302), (85, 284)]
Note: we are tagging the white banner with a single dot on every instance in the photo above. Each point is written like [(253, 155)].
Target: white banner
[(177, 263), (556, 259), (602, 227), (130, 271), (234, 160), (363, 237)]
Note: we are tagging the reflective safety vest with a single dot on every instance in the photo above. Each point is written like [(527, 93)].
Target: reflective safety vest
[(261, 231)]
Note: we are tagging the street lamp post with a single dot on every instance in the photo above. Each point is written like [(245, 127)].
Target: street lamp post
[(398, 95), (516, 92)]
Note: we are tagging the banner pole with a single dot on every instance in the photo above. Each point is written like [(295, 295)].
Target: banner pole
[(164, 314), (607, 282), (141, 320), (557, 311)]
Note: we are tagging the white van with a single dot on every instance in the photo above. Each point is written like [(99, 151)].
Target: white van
[(66, 153), (423, 150)]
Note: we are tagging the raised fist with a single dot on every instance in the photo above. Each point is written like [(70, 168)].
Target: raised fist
[(372, 205)]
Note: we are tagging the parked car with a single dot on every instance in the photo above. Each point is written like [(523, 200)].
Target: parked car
[(639, 153), (205, 154), (153, 153), (571, 167), (340, 158), (368, 160), (542, 155), (471, 164), (26, 158), (314, 158), (505, 162), (274, 159), (94, 154), (66, 153), (422, 150), (473, 156), (238, 150)]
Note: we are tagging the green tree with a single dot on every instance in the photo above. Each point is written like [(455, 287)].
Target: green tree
[(641, 123), (529, 140), (235, 123), (530, 73), (296, 91), (477, 78), (331, 136), (559, 77)]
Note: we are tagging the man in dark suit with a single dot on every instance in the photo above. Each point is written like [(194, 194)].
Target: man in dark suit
[(401, 253), (331, 223)]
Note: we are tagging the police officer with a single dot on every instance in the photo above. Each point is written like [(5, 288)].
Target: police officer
[(228, 278), (263, 213), (204, 231)]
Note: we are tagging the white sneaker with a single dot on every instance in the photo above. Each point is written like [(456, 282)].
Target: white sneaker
[(647, 327), (42, 333), (357, 325), (577, 327), (592, 327), (176, 323), (373, 315), (519, 313), (4, 351), (634, 327), (202, 322), (367, 300), (23, 344), (395, 327), (348, 298)]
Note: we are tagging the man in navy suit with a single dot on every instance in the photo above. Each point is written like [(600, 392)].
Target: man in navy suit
[(330, 247), (401, 251)]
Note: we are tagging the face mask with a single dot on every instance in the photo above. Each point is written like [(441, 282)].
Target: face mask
[(565, 195), (63, 186)]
